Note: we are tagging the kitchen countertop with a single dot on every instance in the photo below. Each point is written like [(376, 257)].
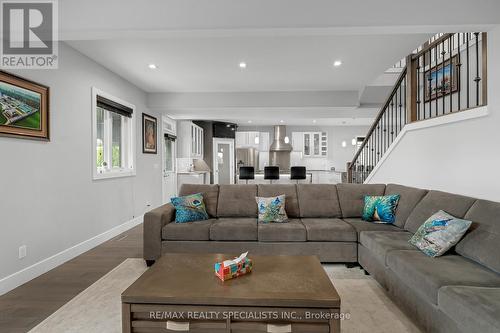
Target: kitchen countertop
[(191, 172)]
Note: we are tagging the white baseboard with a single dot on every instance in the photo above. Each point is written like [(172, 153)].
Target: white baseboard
[(15, 280)]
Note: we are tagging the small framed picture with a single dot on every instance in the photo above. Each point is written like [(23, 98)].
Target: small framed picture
[(442, 80), (149, 134), (24, 108)]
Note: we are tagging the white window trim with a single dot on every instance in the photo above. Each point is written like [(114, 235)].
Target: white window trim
[(130, 147)]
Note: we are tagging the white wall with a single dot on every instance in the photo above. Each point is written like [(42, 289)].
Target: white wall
[(461, 157), (337, 157), (48, 200)]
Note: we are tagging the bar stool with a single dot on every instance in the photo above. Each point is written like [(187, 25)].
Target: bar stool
[(271, 173), (298, 173), (246, 173)]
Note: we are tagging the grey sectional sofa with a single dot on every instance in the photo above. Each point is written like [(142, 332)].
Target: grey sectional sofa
[(458, 292)]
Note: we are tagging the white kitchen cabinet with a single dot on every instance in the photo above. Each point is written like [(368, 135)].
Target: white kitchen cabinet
[(247, 139), (190, 140), (311, 144), (240, 139)]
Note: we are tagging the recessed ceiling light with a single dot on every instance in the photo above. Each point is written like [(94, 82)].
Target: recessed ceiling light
[(243, 64), (282, 121), (249, 121), (337, 63), (152, 66), (314, 121)]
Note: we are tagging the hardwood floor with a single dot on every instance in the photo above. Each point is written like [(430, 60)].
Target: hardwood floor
[(26, 306)]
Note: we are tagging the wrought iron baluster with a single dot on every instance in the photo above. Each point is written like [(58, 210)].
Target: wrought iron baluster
[(477, 79), (443, 89), (436, 83), (459, 72), (423, 86), (467, 70)]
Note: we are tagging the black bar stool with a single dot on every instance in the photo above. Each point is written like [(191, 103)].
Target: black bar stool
[(246, 173), (298, 173), (271, 173)]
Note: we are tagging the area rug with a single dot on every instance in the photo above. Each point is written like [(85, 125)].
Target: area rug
[(98, 308)]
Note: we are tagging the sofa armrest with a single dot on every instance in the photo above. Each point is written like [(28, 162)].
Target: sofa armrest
[(154, 221)]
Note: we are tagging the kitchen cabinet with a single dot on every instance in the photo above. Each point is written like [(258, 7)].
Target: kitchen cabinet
[(190, 140), (310, 144), (247, 140)]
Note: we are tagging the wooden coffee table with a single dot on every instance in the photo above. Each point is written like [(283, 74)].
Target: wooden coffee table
[(180, 293)]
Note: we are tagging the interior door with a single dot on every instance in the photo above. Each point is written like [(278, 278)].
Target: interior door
[(223, 159), (169, 174)]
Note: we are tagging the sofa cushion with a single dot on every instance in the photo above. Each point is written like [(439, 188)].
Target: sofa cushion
[(482, 242), (352, 197), (410, 197), (189, 208), (291, 231), (426, 274), (272, 210), (360, 225), (439, 233), (434, 201), (476, 309), (290, 192), (380, 208), (318, 200), (381, 242), (325, 230), (210, 195), (237, 201), (234, 229), (189, 231)]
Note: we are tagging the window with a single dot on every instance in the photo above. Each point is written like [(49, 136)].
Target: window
[(113, 136)]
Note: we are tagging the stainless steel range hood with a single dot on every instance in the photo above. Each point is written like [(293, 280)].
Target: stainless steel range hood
[(279, 143)]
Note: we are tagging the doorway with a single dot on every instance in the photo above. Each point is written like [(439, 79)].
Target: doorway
[(169, 182), (223, 160)]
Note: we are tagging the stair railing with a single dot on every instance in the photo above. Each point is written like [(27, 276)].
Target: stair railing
[(447, 74)]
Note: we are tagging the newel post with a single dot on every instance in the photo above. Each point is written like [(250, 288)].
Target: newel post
[(411, 89)]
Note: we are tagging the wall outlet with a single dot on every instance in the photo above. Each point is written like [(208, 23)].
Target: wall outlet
[(22, 252)]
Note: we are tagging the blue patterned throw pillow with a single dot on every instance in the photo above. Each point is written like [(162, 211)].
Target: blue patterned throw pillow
[(189, 208), (439, 233), (272, 209), (381, 208)]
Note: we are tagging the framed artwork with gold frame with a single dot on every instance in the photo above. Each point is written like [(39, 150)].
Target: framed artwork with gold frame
[(24, 108)]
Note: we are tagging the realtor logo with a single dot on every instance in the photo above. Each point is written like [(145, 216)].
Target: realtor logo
[(29, 34)]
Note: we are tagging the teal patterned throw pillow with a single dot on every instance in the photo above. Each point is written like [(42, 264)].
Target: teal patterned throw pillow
[(272, 209), (380, 208), (189, 208), (439, 233)]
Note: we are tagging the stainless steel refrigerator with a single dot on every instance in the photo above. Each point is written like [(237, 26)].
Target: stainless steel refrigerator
[(247, 157)]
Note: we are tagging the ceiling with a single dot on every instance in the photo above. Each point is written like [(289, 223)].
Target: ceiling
[(274, 63), (289, 46)]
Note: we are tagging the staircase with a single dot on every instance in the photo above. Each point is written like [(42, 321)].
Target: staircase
[(445, 75)]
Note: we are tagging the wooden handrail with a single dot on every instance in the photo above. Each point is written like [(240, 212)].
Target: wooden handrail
[(432, 45), (379, 115)]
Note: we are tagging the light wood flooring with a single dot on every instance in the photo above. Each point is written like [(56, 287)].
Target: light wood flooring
[(26, 306)]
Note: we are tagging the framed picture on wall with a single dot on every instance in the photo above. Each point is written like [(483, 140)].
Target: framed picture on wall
[(24, 108), (149, 134), (441, 80)]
